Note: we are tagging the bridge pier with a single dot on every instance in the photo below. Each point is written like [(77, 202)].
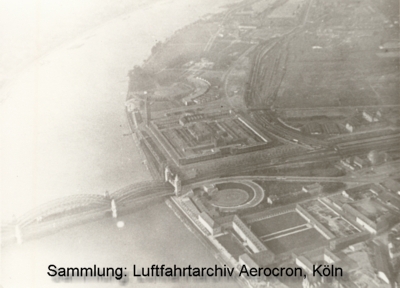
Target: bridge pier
[(177, 185), (167, 174), (174, 180), (18, 234), (113, 208)]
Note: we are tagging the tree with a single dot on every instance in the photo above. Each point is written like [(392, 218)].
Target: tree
[(156, 48), (140, 79)]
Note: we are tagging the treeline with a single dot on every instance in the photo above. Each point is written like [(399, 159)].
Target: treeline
[(140, 79)]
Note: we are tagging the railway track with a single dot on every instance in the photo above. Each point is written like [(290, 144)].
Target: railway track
[(91, 202)]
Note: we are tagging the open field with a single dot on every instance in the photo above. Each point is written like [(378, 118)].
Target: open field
[(295, 240), (333, 66), (277, 223), (285, 231)]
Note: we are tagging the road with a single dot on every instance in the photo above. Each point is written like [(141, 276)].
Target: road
[(345, 179), (307, 13)]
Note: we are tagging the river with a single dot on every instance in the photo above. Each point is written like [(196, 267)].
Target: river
[(62, 126), (63, 121), (150, 236)]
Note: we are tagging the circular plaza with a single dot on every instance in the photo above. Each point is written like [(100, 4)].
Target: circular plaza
[(229, 198), (230, 195)]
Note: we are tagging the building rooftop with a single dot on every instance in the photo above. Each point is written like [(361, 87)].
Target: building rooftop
[(207, 219), (382, 261), (248, 261), (391, 200), (306, 262)]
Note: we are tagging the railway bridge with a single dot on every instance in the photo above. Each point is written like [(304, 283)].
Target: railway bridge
[(88, 202), (81, 208)]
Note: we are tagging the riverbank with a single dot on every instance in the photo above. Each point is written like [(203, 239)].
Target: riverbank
[(104, 244), (63, 124), (63, 120)]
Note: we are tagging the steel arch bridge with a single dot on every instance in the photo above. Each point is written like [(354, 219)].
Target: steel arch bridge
[(92, 202)]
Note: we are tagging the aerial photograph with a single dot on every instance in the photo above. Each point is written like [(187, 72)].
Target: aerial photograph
[(200, 143)]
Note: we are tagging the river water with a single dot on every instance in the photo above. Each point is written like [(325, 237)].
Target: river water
[(63, 121), (151, 236), (62, 127)]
